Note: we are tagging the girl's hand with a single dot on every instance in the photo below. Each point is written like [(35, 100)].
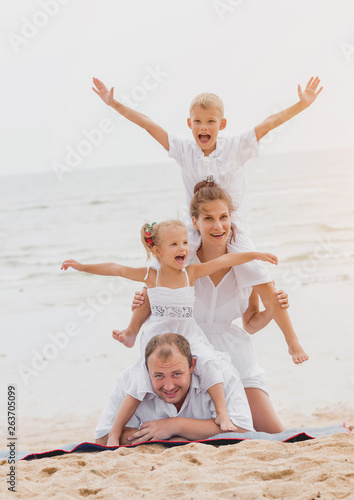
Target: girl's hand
[(267, 257), (71, 263), (112, 440), (138, 300), (102, 91)]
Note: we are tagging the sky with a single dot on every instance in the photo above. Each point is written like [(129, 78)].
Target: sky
[(159, 54)]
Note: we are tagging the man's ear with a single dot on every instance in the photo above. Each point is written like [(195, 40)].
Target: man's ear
[(189, 123), (194, 360), (195, 223), (223, 124)]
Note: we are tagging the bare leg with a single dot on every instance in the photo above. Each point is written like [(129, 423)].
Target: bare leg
[(265, 418), (216, 392), (268, 294), (139, 316)]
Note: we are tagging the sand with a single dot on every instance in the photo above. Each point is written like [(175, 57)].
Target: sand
[(63, 406)]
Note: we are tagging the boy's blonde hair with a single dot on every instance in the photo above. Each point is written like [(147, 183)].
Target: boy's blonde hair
[(207, 101), (152, 234)]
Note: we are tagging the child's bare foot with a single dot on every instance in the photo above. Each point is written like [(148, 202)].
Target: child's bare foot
[(126, 337), (223, 420), (297, 352)]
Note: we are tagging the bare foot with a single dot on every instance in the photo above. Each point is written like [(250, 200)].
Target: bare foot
[(126, 337), (223, 420), (297, 352)]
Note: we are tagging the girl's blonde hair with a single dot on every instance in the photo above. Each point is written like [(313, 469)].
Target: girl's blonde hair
[(152, 234), (207, 191), (207, 101)]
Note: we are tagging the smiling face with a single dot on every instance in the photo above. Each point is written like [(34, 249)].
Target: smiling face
[(205, 125), (173, 249), (170, 374), (214, 223)]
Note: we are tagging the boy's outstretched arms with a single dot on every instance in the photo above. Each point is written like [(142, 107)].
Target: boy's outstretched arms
[(306, 98), (130, 114)]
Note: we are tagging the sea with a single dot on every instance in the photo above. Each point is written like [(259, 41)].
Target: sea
[(302, 210)]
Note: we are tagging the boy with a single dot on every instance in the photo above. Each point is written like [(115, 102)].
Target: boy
[(223, 158)]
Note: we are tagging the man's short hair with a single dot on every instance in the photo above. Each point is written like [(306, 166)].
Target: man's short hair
[(168, 339)]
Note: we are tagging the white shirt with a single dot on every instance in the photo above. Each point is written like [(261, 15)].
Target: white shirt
[(197, 405), (225, 164)]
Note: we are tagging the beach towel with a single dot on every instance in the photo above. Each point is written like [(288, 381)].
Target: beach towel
[(289, 436)]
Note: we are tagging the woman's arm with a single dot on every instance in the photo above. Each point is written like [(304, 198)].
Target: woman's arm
[(253, 319), (196, 271), (107, 269)]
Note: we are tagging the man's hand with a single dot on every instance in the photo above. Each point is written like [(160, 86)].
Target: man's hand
[(154, 431), (102, 91), (310, 93)]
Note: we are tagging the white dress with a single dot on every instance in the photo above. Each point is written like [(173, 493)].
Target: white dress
[(216, 309)]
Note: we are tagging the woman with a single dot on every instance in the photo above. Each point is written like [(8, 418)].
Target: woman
[(220, 301)]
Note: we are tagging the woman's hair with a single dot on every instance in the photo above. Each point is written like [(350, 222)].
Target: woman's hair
[(207, 191), (168, 339), (152, 234), (207, 101)]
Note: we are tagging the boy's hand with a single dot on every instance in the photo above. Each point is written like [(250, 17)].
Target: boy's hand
[(71, 263), (310, 93), (102, 91)]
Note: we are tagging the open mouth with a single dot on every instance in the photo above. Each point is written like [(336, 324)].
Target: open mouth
[(204, 138), (218, 236), (180, 259)]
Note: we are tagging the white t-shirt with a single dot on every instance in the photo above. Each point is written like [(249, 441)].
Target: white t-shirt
[(225, 164)]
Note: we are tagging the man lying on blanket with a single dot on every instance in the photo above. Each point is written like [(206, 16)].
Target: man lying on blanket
[(174, 407)]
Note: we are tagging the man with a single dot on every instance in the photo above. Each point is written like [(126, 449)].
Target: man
[(175, 406)]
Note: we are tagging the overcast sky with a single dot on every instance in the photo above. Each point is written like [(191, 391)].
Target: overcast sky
[(158, 54)]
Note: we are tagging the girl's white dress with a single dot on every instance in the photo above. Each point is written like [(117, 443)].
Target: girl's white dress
[(172, 312)]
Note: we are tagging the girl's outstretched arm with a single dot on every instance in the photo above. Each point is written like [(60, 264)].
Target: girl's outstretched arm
[(107, 269), (196, 271)]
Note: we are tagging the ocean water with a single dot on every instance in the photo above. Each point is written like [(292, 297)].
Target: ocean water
[(302, 210)]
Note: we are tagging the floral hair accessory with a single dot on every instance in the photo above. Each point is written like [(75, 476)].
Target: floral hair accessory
[(148, 230)]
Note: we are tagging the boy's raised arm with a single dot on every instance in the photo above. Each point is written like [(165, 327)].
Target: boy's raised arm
[(130, 114), (306, 98)]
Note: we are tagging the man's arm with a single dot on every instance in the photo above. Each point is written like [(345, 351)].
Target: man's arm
[(306, 99), (187, 428), (130, 114)]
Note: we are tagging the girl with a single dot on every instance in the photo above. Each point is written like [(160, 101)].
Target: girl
[(171, 294)]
